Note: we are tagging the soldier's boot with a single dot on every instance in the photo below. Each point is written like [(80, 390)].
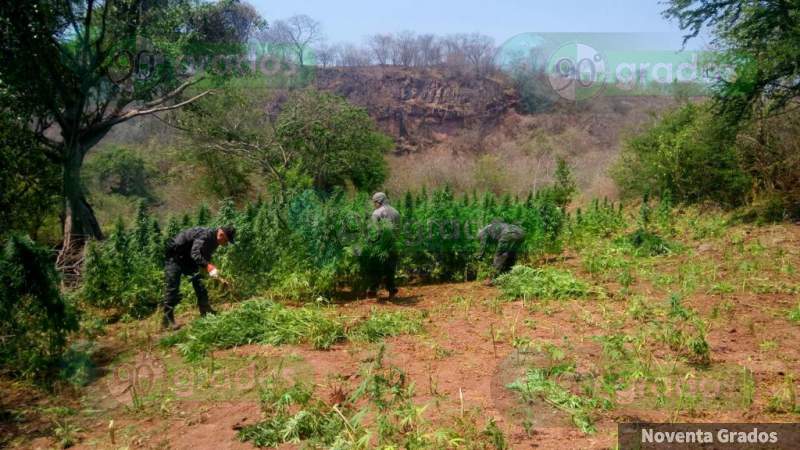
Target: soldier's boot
[(202, 297), (168, 320), (206, 310)]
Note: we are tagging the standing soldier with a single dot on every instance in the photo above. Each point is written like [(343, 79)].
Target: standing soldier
[(381, 267), (187, 253), (508, 238)]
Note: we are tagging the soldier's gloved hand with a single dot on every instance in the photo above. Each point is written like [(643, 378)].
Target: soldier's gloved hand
[(212, 271)]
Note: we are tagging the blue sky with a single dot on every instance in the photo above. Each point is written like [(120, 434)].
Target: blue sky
[(351, 20)]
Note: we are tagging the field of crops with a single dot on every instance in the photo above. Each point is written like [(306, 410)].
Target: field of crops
[(650, 313), (309, 245)]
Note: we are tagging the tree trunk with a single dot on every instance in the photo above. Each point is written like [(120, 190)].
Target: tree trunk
[(80, 223)]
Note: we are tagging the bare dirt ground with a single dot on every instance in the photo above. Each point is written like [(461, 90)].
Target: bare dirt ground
[(743, 282)]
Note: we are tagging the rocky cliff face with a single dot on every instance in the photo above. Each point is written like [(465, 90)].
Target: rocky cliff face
[(421, 107)]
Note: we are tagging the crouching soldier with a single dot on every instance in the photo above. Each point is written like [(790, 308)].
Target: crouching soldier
[(508, 238), (187, 254), (382, 263)]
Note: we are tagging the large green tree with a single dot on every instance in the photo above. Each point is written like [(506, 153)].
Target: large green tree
[(77, 68), (313, 137), (334, 141), (760, 39)]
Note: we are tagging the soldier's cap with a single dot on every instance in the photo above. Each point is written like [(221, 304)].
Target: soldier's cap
[(379, 198), (230, 233)]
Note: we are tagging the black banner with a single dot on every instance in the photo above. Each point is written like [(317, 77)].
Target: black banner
[(722, 436)]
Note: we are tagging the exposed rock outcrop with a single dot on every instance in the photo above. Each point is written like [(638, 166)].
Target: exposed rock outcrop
[(420, 107)]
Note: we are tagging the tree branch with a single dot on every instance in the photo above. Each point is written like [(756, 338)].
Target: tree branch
[(177, 91), (142, 112), (172, 125)]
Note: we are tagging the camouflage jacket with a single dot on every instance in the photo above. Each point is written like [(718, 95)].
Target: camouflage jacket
[(386, 213), (504, 234)]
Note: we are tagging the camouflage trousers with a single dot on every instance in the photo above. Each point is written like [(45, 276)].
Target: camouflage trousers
[(506, 254)]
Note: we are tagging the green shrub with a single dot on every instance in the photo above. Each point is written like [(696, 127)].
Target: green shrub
[(646, 243), (565, 186), (689, 154), (544, 283), (221, 176), (599, 220), (318, 139), (685, 332), (603, 258), (439, 231), (644, 240), (34, 318), (125, 273)]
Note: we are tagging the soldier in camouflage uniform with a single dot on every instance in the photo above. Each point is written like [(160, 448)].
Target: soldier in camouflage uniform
[(508, 238), (186, 254), (383, 269)]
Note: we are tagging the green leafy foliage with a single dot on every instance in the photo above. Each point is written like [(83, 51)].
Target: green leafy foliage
[(379, 325), (34, 318), (647, 243), (565, 186), (313, 420), (542, 383), (317, 140), (335, 140), (125, 272), (258, 321), (29, 181), (599, 219), (754, 104), (767, 149), (526, 283), (759, 39), (685, 332), (264, 321), (307, 244), (689, 155), (378, 413), (644, 240), (72, 64), (438, 234), (118, 170)]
